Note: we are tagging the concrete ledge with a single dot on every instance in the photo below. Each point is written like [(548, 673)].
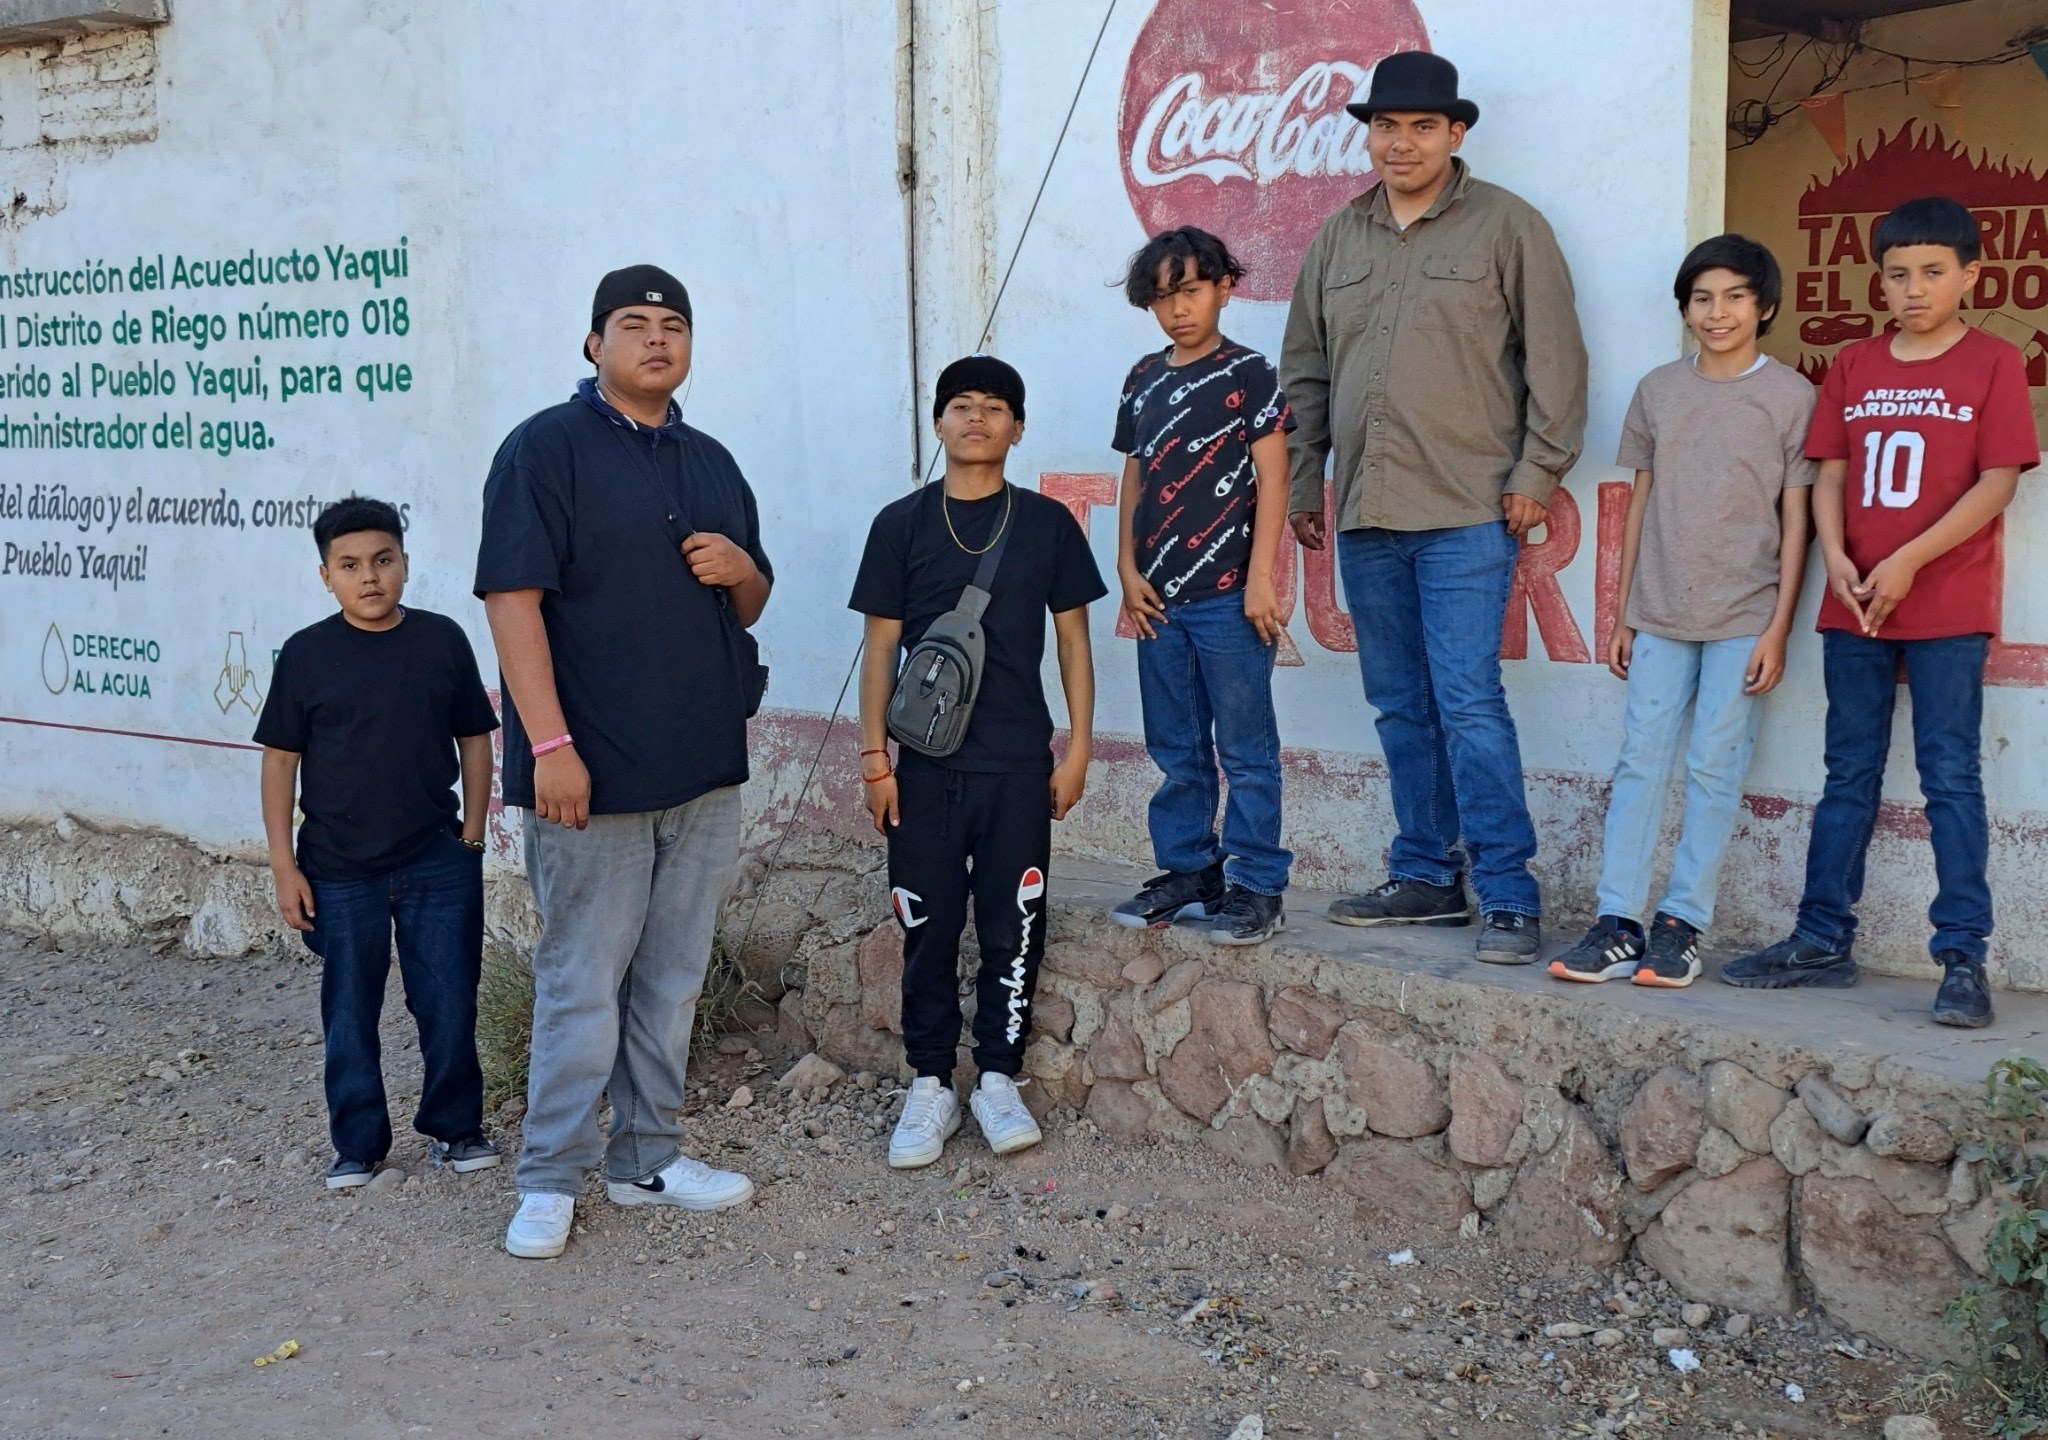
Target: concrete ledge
[(29, 22), (1764, 1150)]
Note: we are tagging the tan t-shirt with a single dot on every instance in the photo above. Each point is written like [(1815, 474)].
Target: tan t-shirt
[(1721, 453)]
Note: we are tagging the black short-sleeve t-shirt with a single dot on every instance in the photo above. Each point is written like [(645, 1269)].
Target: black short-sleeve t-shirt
[(913, 570), (1191, 430), (374, 716), (645, 657)]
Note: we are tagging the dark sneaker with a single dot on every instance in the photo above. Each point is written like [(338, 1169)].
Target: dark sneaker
[(1789, 963), (463, 1156), (1405, 902), (347, 1174), (1176, 895), (1673, 960), (1964, 999), (1610, 951), (1507, 938), (1247, 918)]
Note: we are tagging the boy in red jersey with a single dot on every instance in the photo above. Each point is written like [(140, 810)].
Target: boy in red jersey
[(1922, 435)]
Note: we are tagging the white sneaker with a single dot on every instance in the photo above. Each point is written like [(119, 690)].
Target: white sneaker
[(931, 1114), (999, 1110), (540, 1231), (685, 1183)]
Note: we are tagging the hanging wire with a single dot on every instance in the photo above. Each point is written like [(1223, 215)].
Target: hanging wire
[(987, 328)]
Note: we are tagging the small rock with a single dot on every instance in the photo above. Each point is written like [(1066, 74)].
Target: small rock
[(1144, 970), (1831, 1110), (815, 1306), (1696, 1315), (887, 1227), (741, 1099), (1370, 1380), (1252, 1427), (965, 1386), (1666, 1337), (813, 1072), (385, 1181), (1102, 1291), (829, 1145), (1116, 1214), (1735, 1326), (1567, 1330), (1911, 1427), (1608, 1339), (866, 1080), (293, 1159), (732, 1045)]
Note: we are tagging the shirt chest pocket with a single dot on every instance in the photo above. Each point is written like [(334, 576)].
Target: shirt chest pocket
[(1457, 293), (1347, 301)]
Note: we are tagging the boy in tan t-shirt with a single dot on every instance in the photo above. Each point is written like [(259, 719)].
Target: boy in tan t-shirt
[(1711, 562)]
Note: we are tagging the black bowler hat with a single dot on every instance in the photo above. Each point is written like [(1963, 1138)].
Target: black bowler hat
[(1415, 80), (639, 285)]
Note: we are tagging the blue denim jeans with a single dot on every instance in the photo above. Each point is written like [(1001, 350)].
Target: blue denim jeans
[(1205, 682), (1666, 679), (436, 906), (1428, 606), (1946, 680)]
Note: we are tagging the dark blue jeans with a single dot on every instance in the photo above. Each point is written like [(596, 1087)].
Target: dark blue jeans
[(1946, 680), (436, 905), (1205, 682), (1428, 606)]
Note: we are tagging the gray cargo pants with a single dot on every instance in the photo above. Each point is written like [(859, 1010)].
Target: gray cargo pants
[(628, 910)]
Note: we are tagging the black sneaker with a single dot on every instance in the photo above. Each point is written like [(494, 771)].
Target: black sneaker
[(347, 1174), (1789, 963), (1176, 895), (1405, 902), (465, 1155), (1508, 938), (1247, 918), (1964, 999), (1673, 960), (1610, 951)]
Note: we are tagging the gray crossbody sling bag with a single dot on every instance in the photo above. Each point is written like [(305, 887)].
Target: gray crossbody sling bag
[(936, 688)]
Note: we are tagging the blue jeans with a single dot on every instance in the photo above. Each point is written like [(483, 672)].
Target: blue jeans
[(1205, 682), (1428, 606), (436, 905), (1667, 678), (1946, 680)]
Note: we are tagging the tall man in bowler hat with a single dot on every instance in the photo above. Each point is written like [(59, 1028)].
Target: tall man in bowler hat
[(1433, 346), (621, 558)]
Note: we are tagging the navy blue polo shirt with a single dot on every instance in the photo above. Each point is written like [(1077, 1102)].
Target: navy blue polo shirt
[(579, 505)]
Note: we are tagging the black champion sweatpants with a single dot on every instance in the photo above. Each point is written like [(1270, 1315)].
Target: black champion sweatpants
[(988, 836)]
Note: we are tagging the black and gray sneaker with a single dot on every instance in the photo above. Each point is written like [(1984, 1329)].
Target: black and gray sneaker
[(1792, 963), (1674, 956), (1176, 895), (1405, 902), (1964, 999), (1247, 918), (1508, 938), (1610, 951), (462, 1156), (347, 1174)]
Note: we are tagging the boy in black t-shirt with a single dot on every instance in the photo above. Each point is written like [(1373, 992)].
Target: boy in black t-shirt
[(376, 702), (978, 821), (1202, 426)]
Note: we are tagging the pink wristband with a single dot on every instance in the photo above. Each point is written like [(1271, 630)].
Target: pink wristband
[(549, 746)]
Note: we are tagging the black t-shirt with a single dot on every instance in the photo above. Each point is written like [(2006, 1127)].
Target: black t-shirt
[(374, 714), (1191, 430), (645, 657), (913, 571)]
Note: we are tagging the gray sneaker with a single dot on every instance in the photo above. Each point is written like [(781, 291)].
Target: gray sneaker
[(463, 1156), (1507, 938), (347, 1174)]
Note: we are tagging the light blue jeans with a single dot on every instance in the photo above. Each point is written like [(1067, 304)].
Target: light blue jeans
[(1667, 678)]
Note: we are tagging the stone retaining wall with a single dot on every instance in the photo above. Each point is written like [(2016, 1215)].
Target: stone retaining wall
[(1755, 1176)]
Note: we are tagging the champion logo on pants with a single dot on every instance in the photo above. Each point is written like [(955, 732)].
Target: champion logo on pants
[(901, 899), (1029, 888)]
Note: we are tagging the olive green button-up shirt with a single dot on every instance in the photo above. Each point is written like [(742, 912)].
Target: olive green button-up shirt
[(1442, 363)]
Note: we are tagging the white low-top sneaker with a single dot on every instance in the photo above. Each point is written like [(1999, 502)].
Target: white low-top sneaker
[(931, 1113), (999, 1110), (685, 1183), (540, 1231)]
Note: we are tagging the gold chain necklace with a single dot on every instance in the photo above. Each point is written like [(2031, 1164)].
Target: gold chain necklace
[(946, 509)]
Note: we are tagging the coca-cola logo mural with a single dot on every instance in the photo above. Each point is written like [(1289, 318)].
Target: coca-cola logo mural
[(1233, 119)]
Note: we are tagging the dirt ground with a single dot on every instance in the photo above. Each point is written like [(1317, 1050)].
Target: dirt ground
[(163, 1137)]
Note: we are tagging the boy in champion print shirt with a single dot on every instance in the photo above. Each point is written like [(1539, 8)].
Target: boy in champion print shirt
[(1922, 435), (1202, 426)]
